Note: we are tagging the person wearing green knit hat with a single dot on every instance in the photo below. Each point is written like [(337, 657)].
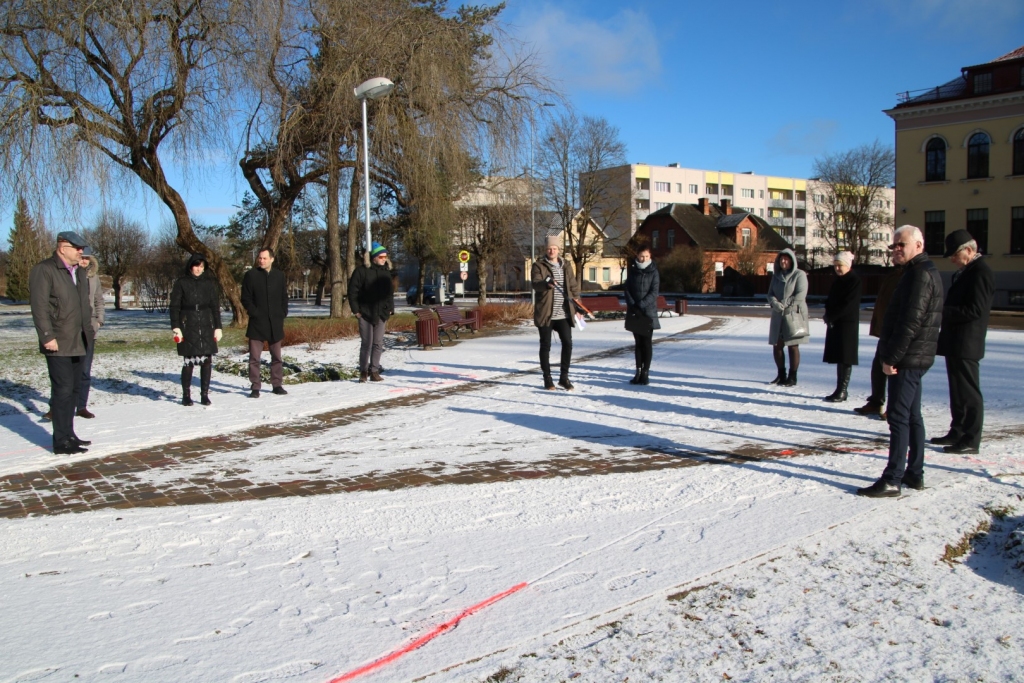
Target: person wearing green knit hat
[(371, 296)]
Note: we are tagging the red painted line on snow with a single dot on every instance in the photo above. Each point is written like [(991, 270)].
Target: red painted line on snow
[(423, 640)]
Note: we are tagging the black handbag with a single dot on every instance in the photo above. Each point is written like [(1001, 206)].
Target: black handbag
[(638, 322)]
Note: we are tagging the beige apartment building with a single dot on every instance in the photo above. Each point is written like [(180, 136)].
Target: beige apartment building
[(960, 165), (786, 204)]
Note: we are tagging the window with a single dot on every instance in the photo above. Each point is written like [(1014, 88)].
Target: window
[(818, 234), (934, 232), (977, 225), (760, 194), (761, 212), (1017, 230), (1018, 153), (654, 239), (747, 194), (877, 236), (662, 187), (693, 189), (977, 156), (606, 275), (935, 160), (661, 205), (711, 188), (727, 190), (679, 188), (982, 83), (670, 239), (592, 275), (875, 253), (745, 239), (1016, 297), (819, 199)]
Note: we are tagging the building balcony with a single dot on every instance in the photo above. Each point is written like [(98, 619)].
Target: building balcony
[(799, 205), (642, 194), (780, 203), (786, 222)]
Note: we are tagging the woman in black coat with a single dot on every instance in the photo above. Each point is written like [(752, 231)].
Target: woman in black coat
[(842, 316), (195, 318), (641, 290)]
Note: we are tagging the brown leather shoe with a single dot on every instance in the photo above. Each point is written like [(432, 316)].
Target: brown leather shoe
[(84, 412), (48, 415), (362, 377), (375, 377)]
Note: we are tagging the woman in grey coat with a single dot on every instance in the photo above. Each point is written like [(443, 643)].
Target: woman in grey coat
[(787, 296)]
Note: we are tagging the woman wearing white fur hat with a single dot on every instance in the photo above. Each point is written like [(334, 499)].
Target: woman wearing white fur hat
[(842, 316)]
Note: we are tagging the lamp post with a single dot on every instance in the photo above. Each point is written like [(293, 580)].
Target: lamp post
[(533, 203), (370, 90)]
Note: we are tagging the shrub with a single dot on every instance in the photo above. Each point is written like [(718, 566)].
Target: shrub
[(317, 331), (506, 314)]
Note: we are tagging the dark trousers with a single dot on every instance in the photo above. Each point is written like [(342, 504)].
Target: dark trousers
[(906, 427), (966, 405), (83, 391), (65, 382), (643, 348), (371, 345), (276, 367), (878, 381), (564, 330)]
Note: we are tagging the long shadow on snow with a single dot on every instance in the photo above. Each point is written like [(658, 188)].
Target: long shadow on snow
[(993, 558), (173, 378), (24, 424), (626, 438)]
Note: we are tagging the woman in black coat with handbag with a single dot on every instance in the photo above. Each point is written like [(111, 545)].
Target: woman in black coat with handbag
[(842, 316), (195, 318), (641, 290)]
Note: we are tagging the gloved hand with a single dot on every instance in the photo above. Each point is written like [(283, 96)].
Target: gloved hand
[(178, 336), (217, 334)]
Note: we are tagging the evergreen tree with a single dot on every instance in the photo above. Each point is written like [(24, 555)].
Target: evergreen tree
[(29, 246)]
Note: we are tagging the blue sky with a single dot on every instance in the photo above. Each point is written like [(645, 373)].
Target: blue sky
[(737, 86)]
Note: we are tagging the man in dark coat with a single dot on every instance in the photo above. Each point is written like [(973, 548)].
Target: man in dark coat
[(878, 378), (910, 334), (962, 341), (265, 297), (371, 296), (62, 315)]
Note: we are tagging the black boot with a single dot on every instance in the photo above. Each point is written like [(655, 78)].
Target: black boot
[(564, 382), (780, 378), (842, 384), (549, 383), (186, 385), (644, 372), (790, 380), (204, 382), (780, 362), (636, 377)]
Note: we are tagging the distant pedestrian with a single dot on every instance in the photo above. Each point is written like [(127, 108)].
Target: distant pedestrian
[(962, 341), (842, 316), (879, 380), (371, 296), (787, 296), (554, 283), (61, 314), (91, 265), (265, 297), (910, 334), (195, 320), (641, 292)]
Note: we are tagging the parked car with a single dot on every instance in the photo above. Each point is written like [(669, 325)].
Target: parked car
[(429, 296)]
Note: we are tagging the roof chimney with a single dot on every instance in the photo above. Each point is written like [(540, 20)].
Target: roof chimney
[(704, 206), (727, 207)]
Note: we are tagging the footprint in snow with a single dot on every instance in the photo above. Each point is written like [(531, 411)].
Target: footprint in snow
[(568, 541), (217, 634), (620, 582), (565, 581), (283, 671), (33, 675), (156, 663), (113, 668)]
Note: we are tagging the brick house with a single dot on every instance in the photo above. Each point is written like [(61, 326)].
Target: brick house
[(714, 228)]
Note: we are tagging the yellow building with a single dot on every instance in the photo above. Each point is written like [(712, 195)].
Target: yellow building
[(960, 164)]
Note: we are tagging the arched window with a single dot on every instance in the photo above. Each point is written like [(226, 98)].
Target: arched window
[(935, 160), (977, 156), (1018, 153)]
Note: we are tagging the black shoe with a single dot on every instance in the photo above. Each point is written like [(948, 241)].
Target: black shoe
[(636, 377), (880, 489), (279, 390), (566, 384), (948, 440), (205, 399), (255, 393), (644, 379), (186, 400), (549, 384), (912, 482), (81, 442), (869, 408), (837, 397), (69, 448), (961, 448), (779, 378)]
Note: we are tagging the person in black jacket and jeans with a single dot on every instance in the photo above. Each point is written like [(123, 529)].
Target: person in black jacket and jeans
[(962, 341), (910, 334), (195, 321), (641, 291), (265, 297), (371, 296)]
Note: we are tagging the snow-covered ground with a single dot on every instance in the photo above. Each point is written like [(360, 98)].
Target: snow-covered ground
[(742, 569)]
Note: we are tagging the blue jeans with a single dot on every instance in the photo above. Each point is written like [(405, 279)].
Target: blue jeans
[(906, 427)]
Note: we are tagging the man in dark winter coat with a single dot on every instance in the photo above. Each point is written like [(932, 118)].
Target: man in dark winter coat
[(878, 378), (962, 341), (371, 296), (62, 315), (910, 334), (265, 297)]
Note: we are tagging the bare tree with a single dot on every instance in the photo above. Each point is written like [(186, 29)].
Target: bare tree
[(850, 197), (749, 258), (121, 245), (570, 154)]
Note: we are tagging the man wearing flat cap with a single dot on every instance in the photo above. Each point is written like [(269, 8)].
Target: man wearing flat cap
[(62, 315), (962, 341)]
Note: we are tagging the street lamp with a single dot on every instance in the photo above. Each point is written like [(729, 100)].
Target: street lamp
[(533, 208), (370, 90)]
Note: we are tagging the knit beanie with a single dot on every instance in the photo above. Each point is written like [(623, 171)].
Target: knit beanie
[(376, 249)]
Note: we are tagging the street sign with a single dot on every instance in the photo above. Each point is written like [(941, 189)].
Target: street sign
[(463, 256), (464, 275), (464, 267)]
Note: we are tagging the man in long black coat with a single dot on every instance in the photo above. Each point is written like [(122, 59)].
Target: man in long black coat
[(962, 341), (265, 297)]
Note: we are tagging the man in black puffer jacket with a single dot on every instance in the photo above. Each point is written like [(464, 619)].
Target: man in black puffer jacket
[(371, 296), (910, 335)]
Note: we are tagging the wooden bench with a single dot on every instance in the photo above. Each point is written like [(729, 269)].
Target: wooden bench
[(449, 319), (663, 306), (596, 304)]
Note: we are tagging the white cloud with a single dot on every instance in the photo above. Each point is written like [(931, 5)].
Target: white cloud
[(618, 55), (810, 138)]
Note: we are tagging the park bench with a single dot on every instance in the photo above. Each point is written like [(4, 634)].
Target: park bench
[(663, 306), (596, 304), (449, 319)]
